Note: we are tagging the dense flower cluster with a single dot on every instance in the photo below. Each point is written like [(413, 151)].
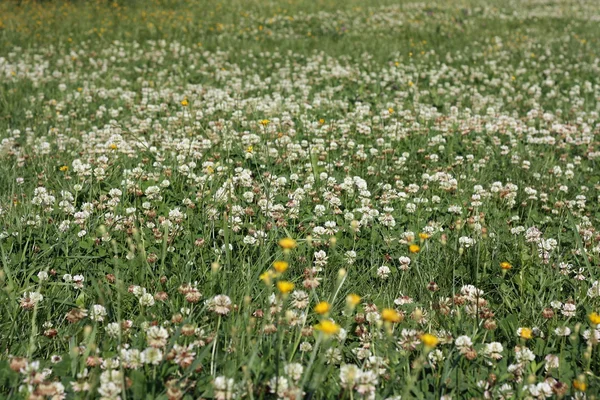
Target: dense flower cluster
[(233, 223)]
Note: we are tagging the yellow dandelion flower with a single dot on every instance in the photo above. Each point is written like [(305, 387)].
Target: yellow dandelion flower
[(594, 318), (264, 122), (391, 110), (287, 243), (525, 333), (353, 300), (579, 385), (185, 102), (280, 266), (414, 248), (64, 168), (249, 149), (391, 315), (328, 327), (285, 286), (266, 277), (505, 265), (322, 308), (429, 340), (424, 236), (112, 146)]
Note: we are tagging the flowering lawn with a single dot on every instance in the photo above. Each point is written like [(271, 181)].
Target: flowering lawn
[(300, 199)]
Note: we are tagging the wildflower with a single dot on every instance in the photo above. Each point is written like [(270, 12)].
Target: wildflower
[(266, 277), (429, 340), (152, 355), (287, 243), (353, 300), (157, 336), (505, 265), (493, 350), (220, 304), (424, 236), (97, 313), (184, 356), (594, 318), (349, 374), (328, 327), (264, 122), (391, 315), (569, 308), (285, 286), (366, 384), (111, 382), (548, 313), (30, 300), (294, 371), (579, 385), (280, 266), (404, 263), (463, 343), (525, 333), (383, 272), (299, 299), (414, 248), (552, 361), (64, 168), (562, 331), (75, 315), (113, 329), (305, 347), (185, 102), (224, 388), (333, 355), (322, 308), (193, 296), (146, 300), (279, 385), (18, 363)]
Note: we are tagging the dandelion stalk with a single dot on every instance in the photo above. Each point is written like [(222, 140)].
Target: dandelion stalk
[(214, 348)]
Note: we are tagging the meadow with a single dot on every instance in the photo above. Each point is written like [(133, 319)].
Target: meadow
[(295, 199)]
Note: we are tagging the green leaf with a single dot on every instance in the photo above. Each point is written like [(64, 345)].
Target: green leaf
[(139, 384)]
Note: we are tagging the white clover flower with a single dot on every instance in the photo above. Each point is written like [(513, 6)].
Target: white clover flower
[(220, 304), (294, 371), (305, 347), (113, 329), (223, 388), (157, 336), (463, 343), (151, 355), (97, 313), (383, 272), (349, 375), (146, 300)]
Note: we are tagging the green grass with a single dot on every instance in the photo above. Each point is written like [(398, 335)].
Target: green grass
[(177, 142)]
